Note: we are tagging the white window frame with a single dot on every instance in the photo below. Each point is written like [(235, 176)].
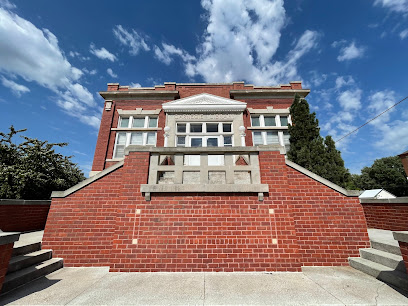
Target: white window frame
[(281, 140), (204, 135), (139, 130)]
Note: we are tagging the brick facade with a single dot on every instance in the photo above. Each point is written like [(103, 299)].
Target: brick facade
[(23, 215), (384, 215), (300, 222), (110, 222)]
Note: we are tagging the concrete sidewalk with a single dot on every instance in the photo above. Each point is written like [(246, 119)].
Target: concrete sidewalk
[(96, 286)]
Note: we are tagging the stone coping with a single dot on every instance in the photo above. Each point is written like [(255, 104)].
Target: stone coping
[(401, 236), (24, 202), (348, 193), (400, 200), (212, 150), (247, 188), (8, 237), (80, 185)]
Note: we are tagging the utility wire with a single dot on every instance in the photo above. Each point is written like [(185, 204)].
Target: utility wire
[(370, 120)]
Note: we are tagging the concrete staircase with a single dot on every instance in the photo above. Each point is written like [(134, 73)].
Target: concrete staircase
[(29, 262), (383, 261)]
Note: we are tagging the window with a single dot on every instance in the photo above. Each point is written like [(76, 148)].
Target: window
[(142, 137), (270, 136), (204, 134)]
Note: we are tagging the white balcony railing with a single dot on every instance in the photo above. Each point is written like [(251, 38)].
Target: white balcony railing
[(203, 170)]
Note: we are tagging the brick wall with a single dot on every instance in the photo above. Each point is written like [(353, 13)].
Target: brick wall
[(80, 227), (404, 252), (23, 215), (5, 255), (6, 249), (387, 214), (300, 222), (329, 226)]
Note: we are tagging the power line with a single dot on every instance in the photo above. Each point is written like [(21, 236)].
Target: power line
[(371, 120)]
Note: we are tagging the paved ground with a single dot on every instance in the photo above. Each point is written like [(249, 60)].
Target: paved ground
[(314, 286), (96, 286)]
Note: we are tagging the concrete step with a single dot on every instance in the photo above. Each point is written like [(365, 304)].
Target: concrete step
[(31, 273), (386, 247), (27, 248), (387, 259), (381, 272), (26, 260)]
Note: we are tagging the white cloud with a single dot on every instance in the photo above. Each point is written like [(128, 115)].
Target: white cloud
[(166, 54), (17, 89), (90, 72), (350, 52), (350, 100), (379, 102), (398, 6), (7, 4), (44, 64), (75, 54), (102, 53), (317, 79), (132, 39), (404, 34), (342, 81), (135, 85), (240, 41), (111, 73)]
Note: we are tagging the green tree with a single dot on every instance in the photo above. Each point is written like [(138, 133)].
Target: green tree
[(387, 173), (32, 169), (309, 150)]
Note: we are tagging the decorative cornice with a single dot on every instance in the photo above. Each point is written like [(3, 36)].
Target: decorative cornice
[(204, 103), (140, 94), (268, 93)]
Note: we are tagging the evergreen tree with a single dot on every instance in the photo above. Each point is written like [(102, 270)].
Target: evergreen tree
[(32, 169), (309, 150)]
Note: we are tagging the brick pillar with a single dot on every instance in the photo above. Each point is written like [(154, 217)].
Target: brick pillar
[(274, 173), (7, 240), (102, 143), (135, 172)]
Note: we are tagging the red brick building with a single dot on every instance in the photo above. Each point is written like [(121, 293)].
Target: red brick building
[(193, 177)]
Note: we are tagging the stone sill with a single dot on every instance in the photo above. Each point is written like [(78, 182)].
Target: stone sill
[(205, 188)]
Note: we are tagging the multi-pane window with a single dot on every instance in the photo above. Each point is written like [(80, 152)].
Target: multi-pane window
[(139, 137), (204, 134), (270, 136)]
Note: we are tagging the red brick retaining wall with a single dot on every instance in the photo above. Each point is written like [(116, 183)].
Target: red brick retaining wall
[(387, 214), (23, 215), (6, 249), (300, 222)]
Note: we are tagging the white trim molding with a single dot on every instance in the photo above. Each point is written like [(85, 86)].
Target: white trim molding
[(204, 103)]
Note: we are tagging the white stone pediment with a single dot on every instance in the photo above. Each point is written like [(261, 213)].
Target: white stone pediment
[(204, 103)]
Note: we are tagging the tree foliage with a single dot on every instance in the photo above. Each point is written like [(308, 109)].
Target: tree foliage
[(32, 169), (311, 151), (385, 173)]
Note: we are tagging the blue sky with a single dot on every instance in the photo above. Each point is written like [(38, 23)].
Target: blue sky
[(56, 55)]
